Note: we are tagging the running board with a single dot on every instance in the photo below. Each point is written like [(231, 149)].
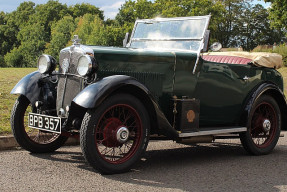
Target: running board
[(213, 131)]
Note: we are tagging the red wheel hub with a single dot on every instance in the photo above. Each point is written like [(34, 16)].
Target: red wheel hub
[(110, 132), (258, 128)]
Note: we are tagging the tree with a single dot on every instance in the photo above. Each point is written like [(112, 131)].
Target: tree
[(132, 10), (115, 34), (2, 38), (229, 17), (98, 33), (91, 30), (61, 34), (22, 15), (183, 8), (10, 25), (265, 33), (14, 58), (278, 14), (32, 45), (79, 10), (84, 28), (252, 28), (26, 32), (31, 30), (2, 18), (47, 14)]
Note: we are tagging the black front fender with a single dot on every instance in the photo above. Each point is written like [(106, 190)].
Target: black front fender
[(95, 93), (28, 86)]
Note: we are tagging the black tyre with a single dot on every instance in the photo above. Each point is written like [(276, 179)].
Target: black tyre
[(264, 126), (33, 140), (115, 135)]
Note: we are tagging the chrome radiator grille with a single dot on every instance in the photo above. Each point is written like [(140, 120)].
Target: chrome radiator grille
[(68, 85)]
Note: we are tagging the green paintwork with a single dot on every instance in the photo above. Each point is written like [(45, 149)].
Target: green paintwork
[(219, 87), (223, 92)]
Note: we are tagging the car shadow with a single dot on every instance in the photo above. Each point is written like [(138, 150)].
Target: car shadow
[(217, 167), (66, 157), (212, 167)]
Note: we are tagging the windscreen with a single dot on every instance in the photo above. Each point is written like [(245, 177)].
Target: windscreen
[(170, 34)]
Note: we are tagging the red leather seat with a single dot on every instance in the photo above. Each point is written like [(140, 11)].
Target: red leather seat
[(226, 59)]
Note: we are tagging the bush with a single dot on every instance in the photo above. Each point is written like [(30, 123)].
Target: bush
[(263, 48), (282, 50), (14, 58), (2, 62)]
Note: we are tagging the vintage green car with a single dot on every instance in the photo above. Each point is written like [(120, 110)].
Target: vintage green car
[(159, 85)]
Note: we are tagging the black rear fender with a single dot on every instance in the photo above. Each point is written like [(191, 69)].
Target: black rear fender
[(280, 99), (265, 89)]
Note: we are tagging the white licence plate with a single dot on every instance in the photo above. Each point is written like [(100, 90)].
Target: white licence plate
[(44, 122)]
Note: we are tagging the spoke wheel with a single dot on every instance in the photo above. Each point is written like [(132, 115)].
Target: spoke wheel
[(264, 127), (31, 139), (114, 135), (118, 133)]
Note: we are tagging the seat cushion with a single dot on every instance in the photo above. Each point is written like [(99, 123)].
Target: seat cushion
[(226, 59)]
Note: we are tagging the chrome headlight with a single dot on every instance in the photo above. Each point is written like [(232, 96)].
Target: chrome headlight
[(46, 64), (86, 65)]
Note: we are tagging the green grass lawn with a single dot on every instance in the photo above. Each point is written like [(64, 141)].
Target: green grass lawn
[(9, 78)]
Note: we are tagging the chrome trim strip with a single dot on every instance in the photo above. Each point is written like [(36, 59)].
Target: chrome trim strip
[(67, 74), (201, 43), (198, 55), (179, 39), (163, 50), (214, 132), (174, 18)]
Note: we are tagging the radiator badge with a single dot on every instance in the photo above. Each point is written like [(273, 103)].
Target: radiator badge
[(190, 116), (65, 65)]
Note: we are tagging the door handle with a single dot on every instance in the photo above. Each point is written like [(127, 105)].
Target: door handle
[(245, 78)]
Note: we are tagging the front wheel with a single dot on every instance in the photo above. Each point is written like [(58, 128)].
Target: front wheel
[(115, 135), (264, 125), (33, 140)]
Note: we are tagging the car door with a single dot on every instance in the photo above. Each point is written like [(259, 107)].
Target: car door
[(221, 89)]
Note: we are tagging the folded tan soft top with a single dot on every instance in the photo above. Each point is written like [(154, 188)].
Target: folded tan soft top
[(271, 60)]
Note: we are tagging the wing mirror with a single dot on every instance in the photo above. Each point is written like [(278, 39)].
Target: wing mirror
[(216, 46), (125, 41)]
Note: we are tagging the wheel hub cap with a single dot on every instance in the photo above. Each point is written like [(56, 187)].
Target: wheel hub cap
[(266, 125), (122, 134)]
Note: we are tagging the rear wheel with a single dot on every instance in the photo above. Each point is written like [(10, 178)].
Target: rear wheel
[(264, 127), (33, 140), (115, 135)]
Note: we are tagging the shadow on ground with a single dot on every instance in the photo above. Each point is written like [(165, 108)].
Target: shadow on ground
[(212, 167)]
